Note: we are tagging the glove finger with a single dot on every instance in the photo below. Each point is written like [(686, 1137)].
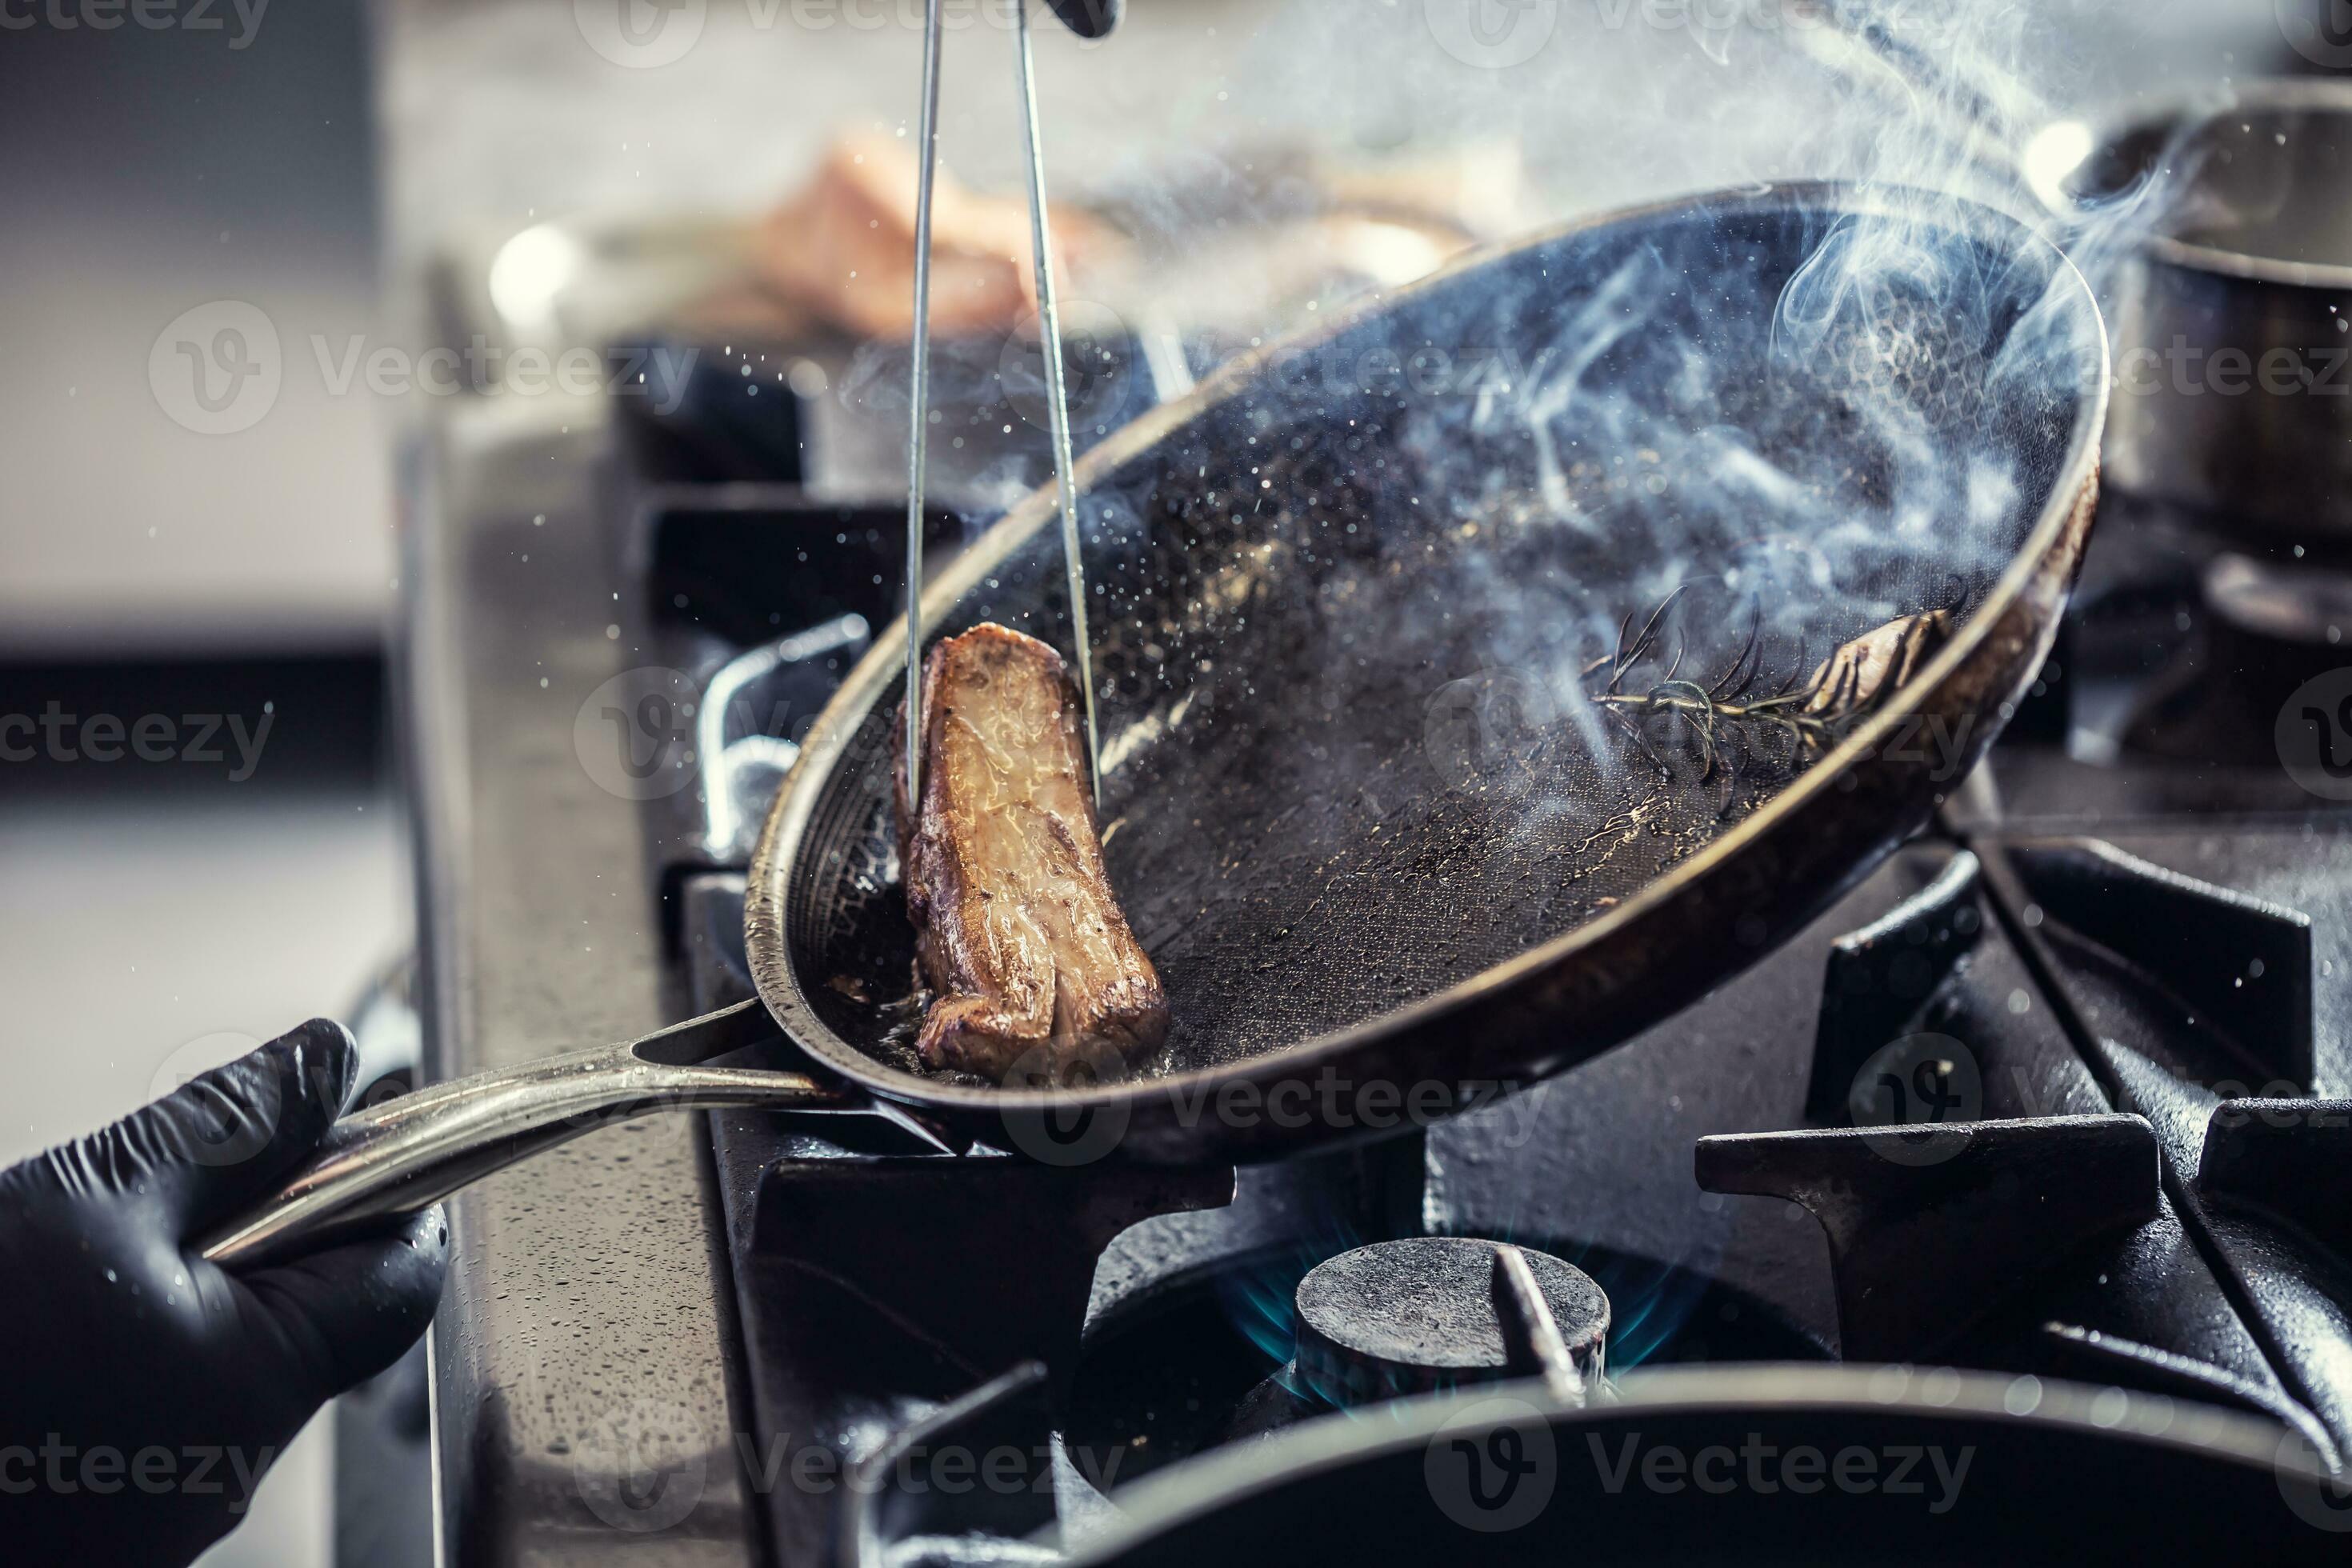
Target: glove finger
[(1089, 18), (216, 1144), (340, 1315)]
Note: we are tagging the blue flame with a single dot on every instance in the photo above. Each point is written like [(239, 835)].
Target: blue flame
[(1649, 1302)]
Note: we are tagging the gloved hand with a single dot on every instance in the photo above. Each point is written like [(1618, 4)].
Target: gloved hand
[(145, 1389), (1089, 18)]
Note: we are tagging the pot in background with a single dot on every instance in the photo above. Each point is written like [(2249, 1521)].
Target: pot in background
[(2231, 314)]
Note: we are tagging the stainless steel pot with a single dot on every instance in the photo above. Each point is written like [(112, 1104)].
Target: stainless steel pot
[(2231, 315)]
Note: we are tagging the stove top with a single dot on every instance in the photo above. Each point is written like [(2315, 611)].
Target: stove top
[(2026, 1150)]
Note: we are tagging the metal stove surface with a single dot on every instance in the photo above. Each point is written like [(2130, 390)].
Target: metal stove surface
[(2030, 1018), (2044, 1097)]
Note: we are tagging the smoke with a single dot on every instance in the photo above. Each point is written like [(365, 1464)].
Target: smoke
[(1355, 628), (1905, 422), (1807, 418)]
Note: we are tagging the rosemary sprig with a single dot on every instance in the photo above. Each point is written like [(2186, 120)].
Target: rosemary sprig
[(1850, 684)]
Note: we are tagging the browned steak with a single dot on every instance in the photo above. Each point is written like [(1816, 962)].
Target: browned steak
[(1020, 934)]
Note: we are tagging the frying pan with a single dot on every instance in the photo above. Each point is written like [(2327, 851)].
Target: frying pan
[(1389, 854)]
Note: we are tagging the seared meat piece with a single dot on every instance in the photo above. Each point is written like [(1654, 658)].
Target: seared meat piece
[(1021, 936)]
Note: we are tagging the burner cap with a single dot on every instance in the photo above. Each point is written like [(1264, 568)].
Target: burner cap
[(2299, 605), (1432, 1313)]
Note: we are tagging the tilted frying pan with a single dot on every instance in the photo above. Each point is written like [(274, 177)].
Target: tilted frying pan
[(1357, 601)]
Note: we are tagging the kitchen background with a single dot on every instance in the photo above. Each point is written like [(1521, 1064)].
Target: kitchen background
[(358, 175)]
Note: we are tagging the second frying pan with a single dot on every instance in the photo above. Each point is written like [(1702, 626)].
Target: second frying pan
[(1403, 805)]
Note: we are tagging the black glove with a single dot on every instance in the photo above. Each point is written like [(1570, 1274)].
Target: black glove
[(145, 1389), (1089, 18)]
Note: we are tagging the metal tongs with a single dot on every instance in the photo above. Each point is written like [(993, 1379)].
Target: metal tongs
[(1088, 19)]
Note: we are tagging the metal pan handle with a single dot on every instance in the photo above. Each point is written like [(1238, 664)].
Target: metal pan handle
[(411, 1151)]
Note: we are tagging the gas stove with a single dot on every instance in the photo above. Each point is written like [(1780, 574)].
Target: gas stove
[(2025, 1151)]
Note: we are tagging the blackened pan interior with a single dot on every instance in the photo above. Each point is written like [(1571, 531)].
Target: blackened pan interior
[(1342, 612)]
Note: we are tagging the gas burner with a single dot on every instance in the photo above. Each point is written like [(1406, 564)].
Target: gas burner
[(2304, 606), (2268, 626), (1433, 1312)]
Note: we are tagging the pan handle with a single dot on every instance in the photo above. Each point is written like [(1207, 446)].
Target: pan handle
[(411, 1151)]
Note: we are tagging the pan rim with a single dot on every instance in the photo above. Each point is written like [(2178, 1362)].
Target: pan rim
[(765, 944), (1170, 1500)]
